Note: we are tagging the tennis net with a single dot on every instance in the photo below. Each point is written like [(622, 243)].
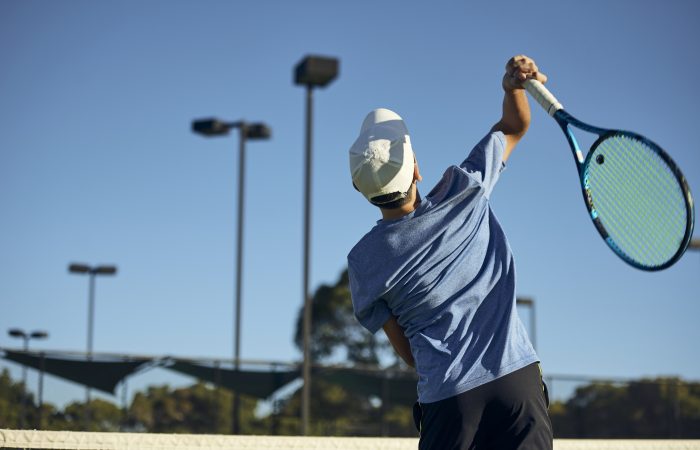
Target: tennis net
[(67, 440)]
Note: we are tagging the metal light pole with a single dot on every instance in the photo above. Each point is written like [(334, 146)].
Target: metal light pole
[(42, 370), (21, 334), (214, 127), (312, 71), (530, 303), (92, 272)]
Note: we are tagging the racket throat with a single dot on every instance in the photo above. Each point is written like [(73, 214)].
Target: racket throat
[(573, 143)]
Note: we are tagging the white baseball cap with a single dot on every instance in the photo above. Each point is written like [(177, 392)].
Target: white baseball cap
[(381, 159)]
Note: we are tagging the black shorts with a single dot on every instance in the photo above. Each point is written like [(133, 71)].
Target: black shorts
[(507, 413)]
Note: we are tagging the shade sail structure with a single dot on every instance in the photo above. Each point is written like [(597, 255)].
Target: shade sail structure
[(105, 372), (256, 383), (101, 375)]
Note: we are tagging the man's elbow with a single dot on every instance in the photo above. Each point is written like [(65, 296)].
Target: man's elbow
[(513, 128), (407, 357), (512, 137)]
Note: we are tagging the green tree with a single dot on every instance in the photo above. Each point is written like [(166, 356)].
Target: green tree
[(199, 408), (689, 410), (194, 409), (336, 411), (335, 331), (11, 396), (643, 409), (337, 335), (97, 415)]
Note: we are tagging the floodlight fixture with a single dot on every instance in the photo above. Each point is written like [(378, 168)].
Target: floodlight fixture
[(524, 301), (316, 71), (16, 332), (105, 270), (79, 268), (212, 127), (39, 335), (92, 270), (694, 244), (257, 130)]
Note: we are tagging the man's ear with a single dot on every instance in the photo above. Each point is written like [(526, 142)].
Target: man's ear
[(416, 171)]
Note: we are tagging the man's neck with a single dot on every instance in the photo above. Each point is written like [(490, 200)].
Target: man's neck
[(408, 208)]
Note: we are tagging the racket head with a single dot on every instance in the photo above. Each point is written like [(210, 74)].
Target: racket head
[(638, 199)]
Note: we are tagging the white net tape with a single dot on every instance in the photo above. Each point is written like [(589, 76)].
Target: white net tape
[(68, 440)]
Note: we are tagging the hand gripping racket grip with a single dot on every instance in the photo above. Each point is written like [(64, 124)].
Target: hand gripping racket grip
[(545, 98)]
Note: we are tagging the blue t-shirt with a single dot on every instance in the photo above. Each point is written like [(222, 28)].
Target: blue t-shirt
[(446, 272)]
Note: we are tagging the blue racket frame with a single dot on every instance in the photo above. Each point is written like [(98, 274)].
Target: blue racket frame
[(566, 121)]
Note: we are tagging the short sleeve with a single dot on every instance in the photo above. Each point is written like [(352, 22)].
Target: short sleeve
[(485, 162), (371, 312)]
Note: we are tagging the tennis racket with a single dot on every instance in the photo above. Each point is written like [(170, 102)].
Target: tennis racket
[(637, 197)]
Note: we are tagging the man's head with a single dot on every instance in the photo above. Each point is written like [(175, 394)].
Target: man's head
[(382, 163)]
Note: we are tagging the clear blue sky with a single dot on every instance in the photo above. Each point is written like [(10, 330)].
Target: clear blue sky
[(98, 164)]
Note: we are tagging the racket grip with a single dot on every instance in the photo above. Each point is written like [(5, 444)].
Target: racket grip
[(545, 98)]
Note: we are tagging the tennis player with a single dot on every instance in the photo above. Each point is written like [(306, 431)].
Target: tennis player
[(437, 274)]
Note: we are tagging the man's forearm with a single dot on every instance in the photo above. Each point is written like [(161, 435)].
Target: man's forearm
[(398, 340), (516, 113), (515, 120)]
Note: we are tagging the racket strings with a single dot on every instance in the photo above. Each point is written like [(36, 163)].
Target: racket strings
[(628, 191), (656, 219), (643, 211), (668, 190), (637, 198)]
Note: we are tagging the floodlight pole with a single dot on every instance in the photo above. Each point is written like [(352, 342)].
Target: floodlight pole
[(306, 372), (215, 127), (236, 413), (91, 319), (26, 337), (530, 303), (311, 71), (40, 394), (92, 272)]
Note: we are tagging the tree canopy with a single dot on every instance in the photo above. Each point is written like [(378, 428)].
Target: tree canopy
[(335, 332), (643, 409)]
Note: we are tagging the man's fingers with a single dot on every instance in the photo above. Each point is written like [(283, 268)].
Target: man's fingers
[(520, 68), (526, 67)]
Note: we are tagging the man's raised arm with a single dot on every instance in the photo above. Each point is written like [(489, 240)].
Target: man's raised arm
[(516, 110)]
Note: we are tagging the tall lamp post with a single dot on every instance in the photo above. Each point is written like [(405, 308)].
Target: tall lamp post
[(530, 303), (92, 272), (215, 127), (312, 71), (21, 334)]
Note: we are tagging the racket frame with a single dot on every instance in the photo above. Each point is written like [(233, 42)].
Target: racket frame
[(566, 121)]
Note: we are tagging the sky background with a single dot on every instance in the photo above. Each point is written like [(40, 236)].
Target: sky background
[(98, 165)]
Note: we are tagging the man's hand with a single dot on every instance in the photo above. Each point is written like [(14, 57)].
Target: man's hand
[(518, 69), (516, 111)]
